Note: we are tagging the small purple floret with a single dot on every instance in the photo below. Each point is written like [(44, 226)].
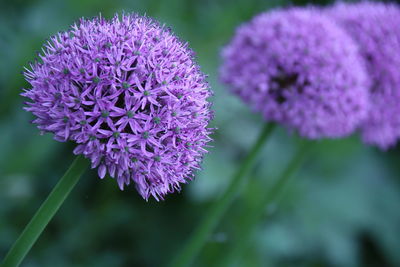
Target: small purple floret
[(376, 28), (298, 68), (129, 93)]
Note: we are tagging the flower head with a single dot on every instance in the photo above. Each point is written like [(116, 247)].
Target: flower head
[(298, 68), (129, 93), (375, 27)]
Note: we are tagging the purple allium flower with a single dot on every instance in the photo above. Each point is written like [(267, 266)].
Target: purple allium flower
[(376, 28), (298, 68), (129, 93)]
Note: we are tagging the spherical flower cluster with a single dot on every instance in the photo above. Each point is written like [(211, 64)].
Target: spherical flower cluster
[(376, 28), (300, 69), (129, 93)]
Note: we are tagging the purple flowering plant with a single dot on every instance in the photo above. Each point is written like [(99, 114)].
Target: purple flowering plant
[(298, 68), (320, 75), (375, 28), (129, 94)]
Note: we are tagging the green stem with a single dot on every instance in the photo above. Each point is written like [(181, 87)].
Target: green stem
[(211, 219), (42, 217), (254, 213)]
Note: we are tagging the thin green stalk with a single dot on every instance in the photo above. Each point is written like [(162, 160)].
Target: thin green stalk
[(255, 212), (211, 219), (42, 217)]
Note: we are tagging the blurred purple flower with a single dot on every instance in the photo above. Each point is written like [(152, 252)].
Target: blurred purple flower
[(376, 28), (298, 68), (129, 93)]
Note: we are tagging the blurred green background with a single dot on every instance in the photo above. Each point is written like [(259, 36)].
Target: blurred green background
[(341, 209)]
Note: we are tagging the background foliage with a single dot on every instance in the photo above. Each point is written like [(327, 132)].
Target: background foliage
[(342, 208)]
